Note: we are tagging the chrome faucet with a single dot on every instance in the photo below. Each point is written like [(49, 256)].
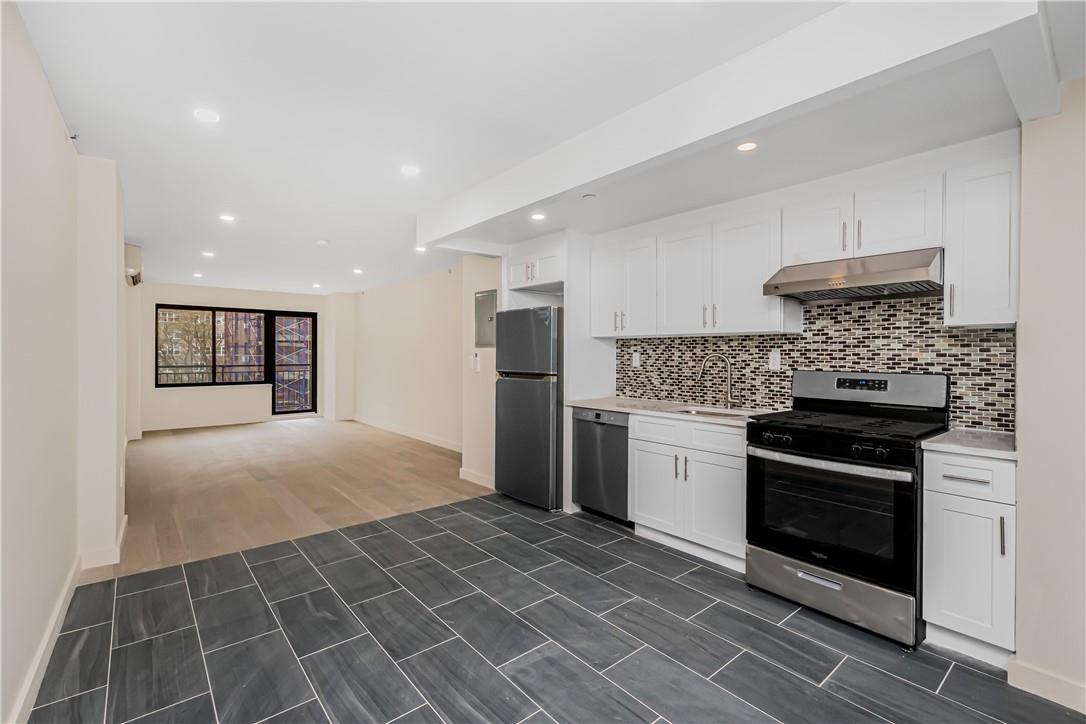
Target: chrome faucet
[(728, 399)]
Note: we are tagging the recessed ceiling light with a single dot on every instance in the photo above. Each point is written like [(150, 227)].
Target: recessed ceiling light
[(206, 115), (538, 216), (208, 254), (228, 218), (316, 286), (322, 242), (357, 271), (198, 275), (747, 146), (421, 249), (409, 169)]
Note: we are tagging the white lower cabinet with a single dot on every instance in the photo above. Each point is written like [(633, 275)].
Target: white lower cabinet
[(969, 566), (655, 498)]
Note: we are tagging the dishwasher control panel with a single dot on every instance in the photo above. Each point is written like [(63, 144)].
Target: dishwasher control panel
[(604, 416)]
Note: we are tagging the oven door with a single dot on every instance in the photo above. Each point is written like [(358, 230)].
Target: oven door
[(858, 519)]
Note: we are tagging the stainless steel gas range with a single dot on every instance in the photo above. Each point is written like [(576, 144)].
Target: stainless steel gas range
[(834, 496)]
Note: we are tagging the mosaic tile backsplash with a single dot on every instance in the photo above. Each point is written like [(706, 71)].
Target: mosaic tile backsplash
[(886, 335)]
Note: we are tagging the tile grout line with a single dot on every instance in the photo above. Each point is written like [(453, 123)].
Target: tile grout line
[(432, 646), (293, 707), (945, 677), (155, 636), (71, 696), (168, 706), (293, 595), (781, 622), (601, 614), (366, 632), (228, 590), (83, 628), (530, 604), (725, 664), (271, 560), (401, 716), (152, 588), (611, 666), (371, 598), (698, 613), (832, 671), (534, 648), (532, 714), (200, 641), (109, 663), (241, 641)]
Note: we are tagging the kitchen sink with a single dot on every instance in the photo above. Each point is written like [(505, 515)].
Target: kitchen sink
[(709, 412)]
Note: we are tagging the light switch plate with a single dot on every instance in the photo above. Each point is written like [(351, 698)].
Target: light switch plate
[(635, 360), (774, 360)]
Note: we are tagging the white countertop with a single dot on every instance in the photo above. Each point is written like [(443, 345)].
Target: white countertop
[(663, 408), (982, 443)]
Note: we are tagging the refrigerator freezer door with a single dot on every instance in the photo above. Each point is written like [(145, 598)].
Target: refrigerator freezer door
[(528, 341), (527, 431)]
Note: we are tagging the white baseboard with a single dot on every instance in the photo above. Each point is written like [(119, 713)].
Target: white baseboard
[(106, 556), (453, 445), (24, 700), (739, 565), (1037, 681), (974, 648), (480, 478)]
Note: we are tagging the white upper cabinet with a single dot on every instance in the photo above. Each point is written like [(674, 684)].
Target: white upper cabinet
[(899, 216), (683, 276), (605, 289), (817, 230), (539, 264), (980, 261), (623, 288), (746, 252)]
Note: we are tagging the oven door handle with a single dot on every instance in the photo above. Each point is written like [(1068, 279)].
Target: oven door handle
[(865, 471)]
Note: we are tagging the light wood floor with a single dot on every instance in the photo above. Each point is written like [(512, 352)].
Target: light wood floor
[(199, 493)]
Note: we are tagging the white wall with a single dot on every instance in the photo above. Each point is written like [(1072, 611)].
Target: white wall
[(339, 369), (165, 408), (408, 358), (1051, 421), (38, 523), (477, 464), (133, 369)]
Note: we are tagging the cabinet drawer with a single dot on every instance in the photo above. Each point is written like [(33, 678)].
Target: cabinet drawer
[(970, 477), (657, 429), (718, 439)]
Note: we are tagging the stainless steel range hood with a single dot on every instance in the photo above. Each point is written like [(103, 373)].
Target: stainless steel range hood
[(901, 274)]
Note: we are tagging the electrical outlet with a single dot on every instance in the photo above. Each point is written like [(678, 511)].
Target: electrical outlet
[(775, 360), (635, 360)]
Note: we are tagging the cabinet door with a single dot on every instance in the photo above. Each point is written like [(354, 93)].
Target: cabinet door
[(520, 271), (980, 261), (900, 216), (746, 252), (638, 312), (547, 268), (716, 495), (683, 281), (969, 566), (655, 499), (817, 230), (605, 290)]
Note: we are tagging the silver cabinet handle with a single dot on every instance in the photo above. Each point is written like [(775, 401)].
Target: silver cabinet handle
[(533, 270), (704, 312), (844, 226), (966, 479), (950, 298), (622, 324), (676, 467), (616, 321), (528, 271), (714, 316), (812, 578), (686, 468), (1002, 536), (859, 233)]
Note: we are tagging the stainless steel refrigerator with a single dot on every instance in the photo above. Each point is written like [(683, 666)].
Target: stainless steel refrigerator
[(528, 429)]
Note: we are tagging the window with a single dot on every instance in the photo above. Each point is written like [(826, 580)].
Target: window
[(216, 346)]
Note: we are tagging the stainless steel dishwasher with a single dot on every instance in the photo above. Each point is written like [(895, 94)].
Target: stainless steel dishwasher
[(600, 461)]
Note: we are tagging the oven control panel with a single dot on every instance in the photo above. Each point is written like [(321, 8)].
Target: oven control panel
[(861, 383)]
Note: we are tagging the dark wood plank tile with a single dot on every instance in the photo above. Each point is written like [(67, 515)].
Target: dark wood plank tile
[(470, 529), (227, 618), (155, 673), (895, 699), (520, 555), (401, 624), (361, 530), (324, 548), (453, 551), (505, 584), (959, 658), (263, 554), (149, 579), (150, 613), (310, 712), (665, 593), (389, 549), (572, 691), (678, 694), (581, 587), (920, 667), (739, 594), (528, 511), (218, 574), (626, 531), (356, 579), (422, 715), (86, 708), (1002, 701), (91, 605), (781, 646), (494, 632), (463, 687), (438, 511), (198, 710), (431, 582), (411, 526), (590, 638), (583, 530), (481, 509), (357, 682), (285, 577), (688, 644), (592, 559), (785, 696), (256, 678), (648, 557), (316, 620), (525, 529)]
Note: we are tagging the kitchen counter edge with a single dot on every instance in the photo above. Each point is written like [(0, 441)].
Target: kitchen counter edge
[(663, 408), (981, 443)]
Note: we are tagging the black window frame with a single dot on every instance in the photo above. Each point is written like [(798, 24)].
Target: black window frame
[(269, 350)]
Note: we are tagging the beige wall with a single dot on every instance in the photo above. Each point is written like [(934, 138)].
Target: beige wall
[(1051, 562), (166, 408), (477, 395), (38, 524), (408, 358), (339, 370)]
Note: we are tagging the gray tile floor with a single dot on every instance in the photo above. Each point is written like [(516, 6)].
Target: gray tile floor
[(488, 610)]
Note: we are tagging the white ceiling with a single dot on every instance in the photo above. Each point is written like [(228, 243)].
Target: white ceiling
[(322, 103), (955, 102)]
